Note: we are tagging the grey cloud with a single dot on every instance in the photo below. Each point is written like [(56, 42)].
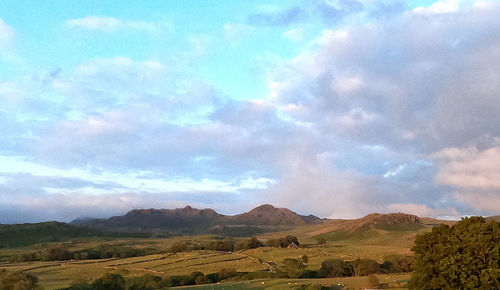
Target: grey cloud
[(366, 102), (32, 185), (424, 89), (281, 18), (70, 205), (413, 87), (333, 13)]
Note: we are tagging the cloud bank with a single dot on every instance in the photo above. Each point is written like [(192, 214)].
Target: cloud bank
[(395, 112)]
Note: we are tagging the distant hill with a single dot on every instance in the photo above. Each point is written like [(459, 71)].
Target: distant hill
[(18, 235), (383, 221), (493, 218), (189, 220), (374, 227)]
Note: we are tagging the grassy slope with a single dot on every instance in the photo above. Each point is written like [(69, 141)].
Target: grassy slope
[(374, 244), (19, 235), (348, 282)]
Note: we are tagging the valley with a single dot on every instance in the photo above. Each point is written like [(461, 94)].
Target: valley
[(94, 251)]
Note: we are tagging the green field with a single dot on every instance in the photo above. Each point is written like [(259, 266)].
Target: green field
[(374, 243)]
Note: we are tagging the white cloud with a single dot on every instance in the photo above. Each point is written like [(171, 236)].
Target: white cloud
[(484, 202), (235, 32), (469, 167), (414, 86), (440, 7), (294, 34), (423, 210), (6, 34), (109, 24)]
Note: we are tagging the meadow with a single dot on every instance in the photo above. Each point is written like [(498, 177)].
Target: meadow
[(374, 243)]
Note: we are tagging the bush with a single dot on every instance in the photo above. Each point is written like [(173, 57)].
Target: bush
[(292, 267), (465, 255), (333, 268), (109, 282), (363, 267), (397, 263), (283, 242), (226, 246), (145, 282), (309, 274), (251, 243), (17, 281), (178, 247)]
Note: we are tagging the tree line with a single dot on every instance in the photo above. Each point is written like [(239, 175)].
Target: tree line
[(336, 268), (61, 253), (231, 245)]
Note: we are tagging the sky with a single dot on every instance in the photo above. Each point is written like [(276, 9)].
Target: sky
[(336, 108)]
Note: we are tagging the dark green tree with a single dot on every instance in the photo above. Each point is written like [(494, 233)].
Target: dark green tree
[(109, 282), (292, 267), (333, 268), (17, 281), (463, 256), (363, 267)]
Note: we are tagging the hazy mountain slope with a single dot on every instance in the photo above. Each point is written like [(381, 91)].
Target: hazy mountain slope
[(194, 221), (17, 235)]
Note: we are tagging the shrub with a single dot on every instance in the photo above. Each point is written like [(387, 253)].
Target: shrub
[(292, 267), (178, 247), (283, 242), (333, 268), (109, 282), (397, 263), (363, 267), (225, 245), (145, 282), (17, 281), (251, 243)]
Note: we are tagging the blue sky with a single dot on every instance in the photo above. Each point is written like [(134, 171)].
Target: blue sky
[(336, 108)]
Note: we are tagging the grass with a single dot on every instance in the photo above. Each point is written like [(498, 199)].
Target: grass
[(54, 275), (374, 243), (395, 281)]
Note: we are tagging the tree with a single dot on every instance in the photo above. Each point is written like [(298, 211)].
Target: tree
[(293, 267), (145, 282), (17, 281), (273, 243), (363, 267), (110, 282), (465, 255), (178, 247), (395, 263), (333, 268)]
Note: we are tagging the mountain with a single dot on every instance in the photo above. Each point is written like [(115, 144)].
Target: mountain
[(268, 215), (374, 228), (383, 221), (189, 220)]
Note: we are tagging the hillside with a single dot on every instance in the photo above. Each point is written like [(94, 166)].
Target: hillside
[(493, 218), (189, 220), (27, 234)]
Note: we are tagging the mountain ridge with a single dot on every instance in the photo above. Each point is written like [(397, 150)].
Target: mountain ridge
[(192, 220)]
